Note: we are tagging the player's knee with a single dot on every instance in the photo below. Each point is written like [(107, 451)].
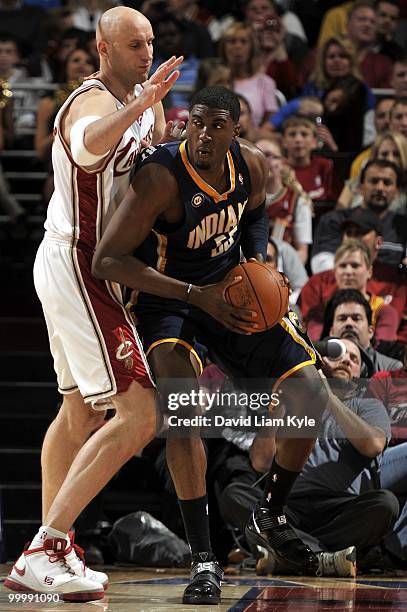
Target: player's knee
[(79, 418), (137, 412)]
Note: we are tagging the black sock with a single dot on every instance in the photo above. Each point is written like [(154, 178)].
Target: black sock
[(278, 485), (196, 522)]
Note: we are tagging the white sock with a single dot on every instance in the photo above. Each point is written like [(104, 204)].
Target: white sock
[(42, 534)]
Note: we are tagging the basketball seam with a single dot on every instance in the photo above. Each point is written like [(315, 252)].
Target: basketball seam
[(257, 298), (282, 301)]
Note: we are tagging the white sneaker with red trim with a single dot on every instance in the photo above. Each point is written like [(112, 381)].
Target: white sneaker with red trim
[(46, 570), (76, 561)]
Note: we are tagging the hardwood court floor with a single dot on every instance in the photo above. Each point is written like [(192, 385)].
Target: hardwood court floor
[(138, 590)]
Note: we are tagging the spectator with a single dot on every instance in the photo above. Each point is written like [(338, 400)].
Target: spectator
[(197, 39), (313, 173), (345, 97), (170, 36), (283, 257), (348, 315), (275, 57), (78, 64), (212, 71), (247, 129), (65, 42), (381, 123), (353, 269), (259, 12), (361, 31), (336, 59), (399, 77), (335, 23), (27, 24), (398, 116), (11, 72), (387, 15), (385, 280), (288, 207), (341, 472), (391, 389), (238, 50), (379, 185), (390, 146), (362, 28)]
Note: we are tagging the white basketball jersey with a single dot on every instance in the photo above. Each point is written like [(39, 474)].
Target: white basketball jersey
[(83, 201)]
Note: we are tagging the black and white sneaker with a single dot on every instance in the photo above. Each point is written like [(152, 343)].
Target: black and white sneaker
[(205, 585), (273, 532)]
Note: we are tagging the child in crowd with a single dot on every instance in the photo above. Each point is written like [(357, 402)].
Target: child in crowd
[(314, 173)]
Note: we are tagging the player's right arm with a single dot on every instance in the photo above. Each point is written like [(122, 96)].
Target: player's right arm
[(153, 194), (93, 126)]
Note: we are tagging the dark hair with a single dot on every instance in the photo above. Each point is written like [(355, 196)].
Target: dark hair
[(63, 75), (220, 97), (383, 99), (167, 18), (381, 163), (5, 37), (344, 296)]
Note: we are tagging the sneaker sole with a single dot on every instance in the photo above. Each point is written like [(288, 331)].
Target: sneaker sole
[(201, 601), (80, 596), (256, 540)]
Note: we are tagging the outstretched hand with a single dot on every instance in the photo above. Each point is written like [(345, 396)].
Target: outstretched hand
[(159, 84)]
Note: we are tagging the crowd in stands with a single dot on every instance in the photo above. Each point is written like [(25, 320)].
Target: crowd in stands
[(323, 93)]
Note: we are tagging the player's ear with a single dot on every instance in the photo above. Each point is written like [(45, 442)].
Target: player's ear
[(236, 130)]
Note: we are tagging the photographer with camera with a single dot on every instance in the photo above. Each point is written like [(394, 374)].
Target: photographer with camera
[(337, 497)]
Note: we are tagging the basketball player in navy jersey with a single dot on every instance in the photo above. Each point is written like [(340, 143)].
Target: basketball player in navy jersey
[(191, 207)]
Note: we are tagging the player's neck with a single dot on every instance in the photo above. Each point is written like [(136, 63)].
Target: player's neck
[(215, 177), (122, 92)]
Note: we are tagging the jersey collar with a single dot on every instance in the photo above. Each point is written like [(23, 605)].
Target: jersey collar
[(203, 185)]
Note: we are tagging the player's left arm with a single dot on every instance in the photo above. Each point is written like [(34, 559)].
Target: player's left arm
[(255, 226)]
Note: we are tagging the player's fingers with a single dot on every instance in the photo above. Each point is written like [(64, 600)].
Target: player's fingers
[(169, 81), (166, 67), (236, 329), (249, 323), (229, 282)]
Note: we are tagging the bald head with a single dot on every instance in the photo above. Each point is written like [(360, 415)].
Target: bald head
[(118, 21)]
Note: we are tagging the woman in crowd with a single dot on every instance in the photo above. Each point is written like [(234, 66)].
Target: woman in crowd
[(238, 50), (336, 59), (391, 146), (353, 269)]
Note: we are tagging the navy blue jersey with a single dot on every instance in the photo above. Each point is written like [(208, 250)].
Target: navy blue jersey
[(205, 245)]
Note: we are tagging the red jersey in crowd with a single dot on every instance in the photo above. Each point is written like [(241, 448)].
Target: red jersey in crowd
[(316, 178), (391, 389)]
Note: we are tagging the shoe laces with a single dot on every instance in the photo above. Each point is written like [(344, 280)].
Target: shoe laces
[(56, 551)]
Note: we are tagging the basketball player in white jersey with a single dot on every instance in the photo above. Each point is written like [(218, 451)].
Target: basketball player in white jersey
[(97, 354)]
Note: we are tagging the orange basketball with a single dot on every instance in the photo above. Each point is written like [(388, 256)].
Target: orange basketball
[(261, 289)]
